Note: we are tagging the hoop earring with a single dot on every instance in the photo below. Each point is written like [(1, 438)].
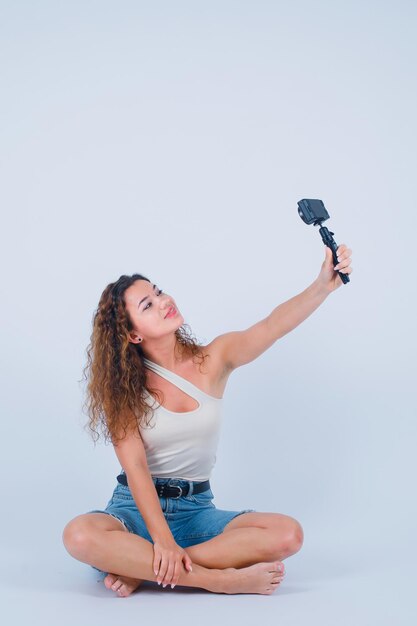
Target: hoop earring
[(140, 341)]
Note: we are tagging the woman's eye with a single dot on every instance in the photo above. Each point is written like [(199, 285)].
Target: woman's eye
[(150, 303)]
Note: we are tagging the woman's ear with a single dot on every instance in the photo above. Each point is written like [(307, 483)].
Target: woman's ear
[(135, 338)]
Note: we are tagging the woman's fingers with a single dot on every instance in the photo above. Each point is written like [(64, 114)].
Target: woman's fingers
[(157, 565), (162, 570), (343, 263), (343, 258), (342, 249), (176, 574), (169, 573), (343, 253), (170, 563)]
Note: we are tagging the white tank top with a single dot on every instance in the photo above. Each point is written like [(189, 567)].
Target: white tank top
[(182, 445)]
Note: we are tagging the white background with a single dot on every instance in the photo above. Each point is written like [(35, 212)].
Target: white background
[(174, 139)]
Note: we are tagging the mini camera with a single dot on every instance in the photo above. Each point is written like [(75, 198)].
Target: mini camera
[(314, 212)]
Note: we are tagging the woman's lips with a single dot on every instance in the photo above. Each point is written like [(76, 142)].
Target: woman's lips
[(172, 312)]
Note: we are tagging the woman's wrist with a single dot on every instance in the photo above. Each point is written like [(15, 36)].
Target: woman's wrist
[(320, 289), (163, 535)]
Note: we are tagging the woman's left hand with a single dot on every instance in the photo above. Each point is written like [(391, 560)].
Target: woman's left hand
[(329, 278)]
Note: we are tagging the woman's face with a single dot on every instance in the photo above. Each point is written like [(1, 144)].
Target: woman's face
[(148, 307)]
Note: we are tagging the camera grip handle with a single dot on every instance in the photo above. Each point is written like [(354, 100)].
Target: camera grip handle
[(328, 240)]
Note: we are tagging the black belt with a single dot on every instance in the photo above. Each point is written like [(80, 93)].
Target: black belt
[(171, 491)]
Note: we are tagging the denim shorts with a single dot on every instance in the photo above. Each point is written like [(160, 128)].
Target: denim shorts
[(192, 519)]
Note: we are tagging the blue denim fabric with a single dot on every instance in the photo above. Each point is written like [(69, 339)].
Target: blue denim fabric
[(192, 519)]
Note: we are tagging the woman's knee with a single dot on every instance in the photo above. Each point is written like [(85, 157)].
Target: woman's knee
[(80, 533), (288, 540), (76, 536), (294, 537)]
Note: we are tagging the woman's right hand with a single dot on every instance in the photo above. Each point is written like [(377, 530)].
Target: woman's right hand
[(168, 561)]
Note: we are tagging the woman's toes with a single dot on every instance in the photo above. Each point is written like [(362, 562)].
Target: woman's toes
[(278, 567), (122, 585), (117, 585), (277, 579), (110, 580)]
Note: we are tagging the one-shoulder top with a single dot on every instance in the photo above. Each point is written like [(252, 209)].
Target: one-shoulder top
[(182, 445)]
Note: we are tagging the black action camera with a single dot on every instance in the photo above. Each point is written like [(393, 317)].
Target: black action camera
[(314, 212)]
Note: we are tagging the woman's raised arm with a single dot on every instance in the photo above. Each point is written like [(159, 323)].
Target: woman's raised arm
[(240, 347)]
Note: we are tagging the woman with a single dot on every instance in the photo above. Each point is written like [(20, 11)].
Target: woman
[(156, 394)]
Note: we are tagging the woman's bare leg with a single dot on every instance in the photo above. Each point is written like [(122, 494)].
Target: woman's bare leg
[(89, 539), (237, 548)]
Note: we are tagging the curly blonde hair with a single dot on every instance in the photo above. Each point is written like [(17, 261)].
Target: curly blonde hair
[(115, 369)]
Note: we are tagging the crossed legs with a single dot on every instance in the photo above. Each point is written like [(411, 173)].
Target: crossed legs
[(101, 540)]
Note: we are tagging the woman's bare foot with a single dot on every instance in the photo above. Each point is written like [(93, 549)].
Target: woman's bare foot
[(121, 584), (259, 578)]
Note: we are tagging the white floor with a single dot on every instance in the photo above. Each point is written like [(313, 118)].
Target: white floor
[(341, 589)]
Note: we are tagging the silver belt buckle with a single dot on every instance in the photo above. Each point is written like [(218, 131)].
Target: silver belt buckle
[(176, 487)]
